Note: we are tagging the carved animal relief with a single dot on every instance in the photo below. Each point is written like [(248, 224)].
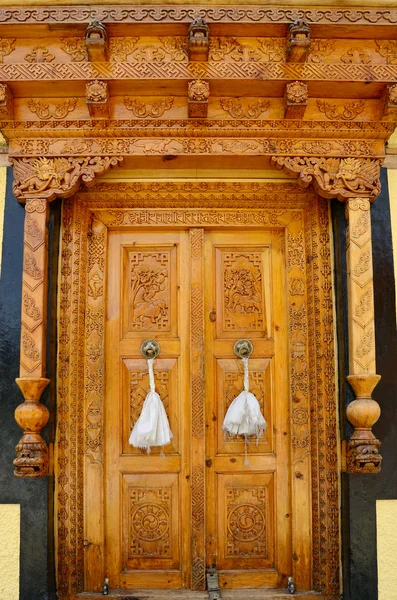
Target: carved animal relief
[(149, 291)]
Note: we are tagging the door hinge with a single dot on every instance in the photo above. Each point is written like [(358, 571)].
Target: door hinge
[(214, 592)]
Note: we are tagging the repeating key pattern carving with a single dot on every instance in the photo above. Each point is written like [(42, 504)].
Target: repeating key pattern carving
[(197, 384)]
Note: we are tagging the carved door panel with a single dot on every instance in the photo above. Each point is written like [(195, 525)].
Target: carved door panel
[(146, 522), (248, 534)]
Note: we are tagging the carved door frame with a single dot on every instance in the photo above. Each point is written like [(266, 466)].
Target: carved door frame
[(303, 221)]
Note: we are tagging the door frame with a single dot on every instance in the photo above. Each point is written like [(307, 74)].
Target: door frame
[(302, 219)]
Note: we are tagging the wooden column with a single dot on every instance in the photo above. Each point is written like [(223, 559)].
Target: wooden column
[(362, 451), (38, 181), (31, 416)]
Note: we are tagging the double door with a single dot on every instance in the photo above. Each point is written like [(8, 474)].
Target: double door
[(196, 292)]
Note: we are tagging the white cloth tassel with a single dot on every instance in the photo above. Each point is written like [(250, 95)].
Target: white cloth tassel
[(244, 415), (152, 427)]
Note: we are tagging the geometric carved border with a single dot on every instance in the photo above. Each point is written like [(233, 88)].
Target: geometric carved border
[(319, 317)]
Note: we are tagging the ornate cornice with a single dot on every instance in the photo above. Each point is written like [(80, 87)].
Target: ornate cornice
[(186, 14), (340, 178), (49, 178)]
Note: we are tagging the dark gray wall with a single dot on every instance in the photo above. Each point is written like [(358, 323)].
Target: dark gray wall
[(360, 492)]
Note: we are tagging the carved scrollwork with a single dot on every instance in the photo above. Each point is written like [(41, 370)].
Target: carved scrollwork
[(50, 178), (340, 178)]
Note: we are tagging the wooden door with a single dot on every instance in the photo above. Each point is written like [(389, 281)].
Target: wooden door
[(248, 507), (163, 518), (146, 495)]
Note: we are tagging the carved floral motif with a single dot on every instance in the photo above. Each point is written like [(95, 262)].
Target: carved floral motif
[(347, 112), (121, 48), (75, 47), (39, 54), (320, 49), (154, 110), (59, 110), (96, 91), (388, 49), (236, 109), (6, 47), (356, 56)]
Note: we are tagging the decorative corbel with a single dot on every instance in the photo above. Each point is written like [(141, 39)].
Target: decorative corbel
[(6, 102), (38, 181), (298, 41), (97, 98), (389, 100), (295, 100), (198, 94), (198, 41), (356, 181), (96, 42)]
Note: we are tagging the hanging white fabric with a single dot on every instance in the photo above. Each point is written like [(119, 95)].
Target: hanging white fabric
[(244, 415), (152, 427)]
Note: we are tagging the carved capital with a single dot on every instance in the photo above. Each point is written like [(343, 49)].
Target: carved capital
[(50, 178), (198, 40), (340, 178)]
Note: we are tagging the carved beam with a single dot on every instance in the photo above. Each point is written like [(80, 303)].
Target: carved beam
[(198, 94), (198, 42), (362, 451), (37, 181), (341, 178), (96, 42), (298, 41), (97, 98), (295, 100)]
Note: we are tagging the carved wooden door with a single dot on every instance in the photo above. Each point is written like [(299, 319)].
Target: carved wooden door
[(248, 507), (196, 293), (147, 496)]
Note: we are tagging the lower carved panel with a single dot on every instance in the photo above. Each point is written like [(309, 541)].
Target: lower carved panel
[(246, 525), (150, 522)]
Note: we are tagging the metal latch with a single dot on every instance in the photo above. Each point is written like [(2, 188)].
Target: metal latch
[(214, 592)]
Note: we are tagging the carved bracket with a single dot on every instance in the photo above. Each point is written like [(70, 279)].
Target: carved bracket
[(198, 94), (198, 40), (298, 41), (50, 178), (340, 178)]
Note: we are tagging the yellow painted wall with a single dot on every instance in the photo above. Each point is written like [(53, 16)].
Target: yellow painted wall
[(9, 551), (386, 524)]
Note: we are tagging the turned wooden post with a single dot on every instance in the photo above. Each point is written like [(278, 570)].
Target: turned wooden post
[(362, 450), (31, 416)]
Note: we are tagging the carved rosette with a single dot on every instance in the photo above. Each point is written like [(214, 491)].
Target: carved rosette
[(362, 452)]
